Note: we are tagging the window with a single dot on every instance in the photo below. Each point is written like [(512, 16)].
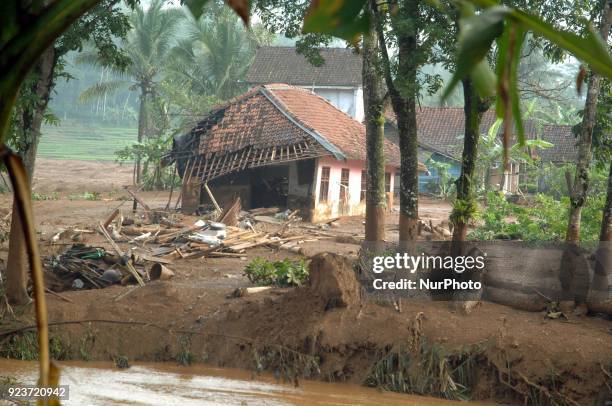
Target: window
[(324, 185), (364, 186), (387, 182), (344, 184)]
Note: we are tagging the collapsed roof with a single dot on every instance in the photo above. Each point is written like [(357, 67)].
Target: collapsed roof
[(271, 124)]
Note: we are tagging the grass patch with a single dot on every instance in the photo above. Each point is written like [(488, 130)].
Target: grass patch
[(24, 347), (43, 196), (77, 141)]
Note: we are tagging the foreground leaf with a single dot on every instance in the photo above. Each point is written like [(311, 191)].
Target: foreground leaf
[(476, 35), (340, 18), (196, 7)]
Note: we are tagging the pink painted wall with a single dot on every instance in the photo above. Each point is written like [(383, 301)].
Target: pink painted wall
[(332, 207)]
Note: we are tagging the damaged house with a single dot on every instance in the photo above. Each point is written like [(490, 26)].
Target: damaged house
[(279, 145)]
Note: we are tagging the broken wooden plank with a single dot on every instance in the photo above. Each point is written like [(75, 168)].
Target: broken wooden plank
[(230, 214), (151, 258), (145, 207), (110, 218), (49, 291), (119, 252), (212, 198), (263, 211)]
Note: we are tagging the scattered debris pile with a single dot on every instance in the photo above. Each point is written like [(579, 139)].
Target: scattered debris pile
[(152, 243), (84, 267)]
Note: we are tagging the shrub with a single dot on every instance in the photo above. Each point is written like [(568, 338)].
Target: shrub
[(545, 221), (281, 273)]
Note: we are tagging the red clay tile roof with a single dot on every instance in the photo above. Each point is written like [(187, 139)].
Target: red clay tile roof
[(342, 67), (564, 141), (441, 129), (279, 114)]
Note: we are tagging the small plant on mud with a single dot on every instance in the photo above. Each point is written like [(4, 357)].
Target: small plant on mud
[(185, 356), (58, 349), (122, 362), (21, 346), (86, 196), (87, 344), (281, 273), (42, 196)]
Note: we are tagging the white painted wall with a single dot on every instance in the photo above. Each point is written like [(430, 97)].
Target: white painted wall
[(349, 99), (359, 111)]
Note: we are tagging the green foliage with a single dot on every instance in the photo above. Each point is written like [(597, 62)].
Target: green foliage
[(21, 346), (214, 56), (42, 196), (100, 27), (94, 196), (121, 362), (444, 186), (507, 25), (553, 179), (154, 175), (463, 210), (545, 220), (281, 273), (340, 18)]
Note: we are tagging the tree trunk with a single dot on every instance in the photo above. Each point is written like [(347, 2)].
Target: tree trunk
[(606, 222), (581, 180), (473, 110), (375, 134), (31, 122), (403, 93), (142, 130), (600, 300)]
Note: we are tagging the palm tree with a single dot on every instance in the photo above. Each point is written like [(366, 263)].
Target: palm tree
[(215, 55), (147, 45)]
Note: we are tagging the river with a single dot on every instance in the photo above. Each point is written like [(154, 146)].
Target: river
[(100, 383)]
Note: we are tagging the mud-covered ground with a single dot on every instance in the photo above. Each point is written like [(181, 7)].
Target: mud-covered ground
[(516, 356)]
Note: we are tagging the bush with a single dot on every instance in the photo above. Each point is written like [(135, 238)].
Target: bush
[(545, 221), (281, 273)]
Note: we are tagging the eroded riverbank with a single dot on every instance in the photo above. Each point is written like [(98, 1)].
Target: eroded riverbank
[(100, 383)]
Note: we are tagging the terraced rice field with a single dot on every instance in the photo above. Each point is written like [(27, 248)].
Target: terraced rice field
[(78, 141)]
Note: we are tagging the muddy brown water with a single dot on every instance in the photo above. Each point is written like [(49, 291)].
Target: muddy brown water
[(100, 383)]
